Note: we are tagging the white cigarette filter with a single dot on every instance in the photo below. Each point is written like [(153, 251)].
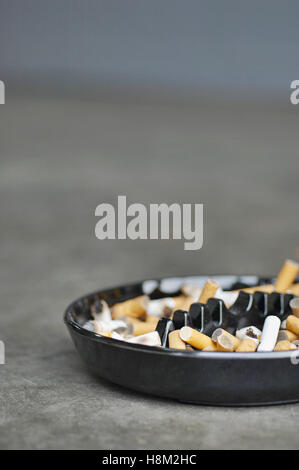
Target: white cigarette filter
[(89, 326), (115, 335), (228, 297), (149, 339), (294, 304), (191, 291), (159, 307), (104, 314), (286, 275), (249, 332), (269, 333)]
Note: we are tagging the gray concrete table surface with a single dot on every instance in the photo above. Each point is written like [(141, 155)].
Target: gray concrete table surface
[(60, 158)]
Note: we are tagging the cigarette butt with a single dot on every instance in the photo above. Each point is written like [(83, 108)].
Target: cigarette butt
[(286, 275), (183, 302), (249, 331), (159, 307), (294, 289), (101, 326), (108, 334), (142, 327), (152, 319), (228, 297), (269, 333), (293, 324), (101, 311), (178, 301), (219, 331), (175, 341), (210, 348), (195, 338), (294, 304), (247, 345), (148, 339), (284, 346), (286, 335), (135, 308), (225, 343), (209, 290), (267, 288)]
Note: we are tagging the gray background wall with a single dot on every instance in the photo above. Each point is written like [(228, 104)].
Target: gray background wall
[(215, 46)]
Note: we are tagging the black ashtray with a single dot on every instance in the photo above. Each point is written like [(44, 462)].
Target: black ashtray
[(207, 378)]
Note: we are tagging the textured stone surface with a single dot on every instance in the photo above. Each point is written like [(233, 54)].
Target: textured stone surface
[(59, 160)]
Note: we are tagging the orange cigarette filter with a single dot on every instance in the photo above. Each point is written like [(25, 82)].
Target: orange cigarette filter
[(142, 327), (284, 346), (152, 319), (219, 331), (183, 302), (195, 338), (209, 290), (175, 341), (293, 324), (247, 345), (286, 275), (294, 289), (135, 308), (294, 304), (286, 335)]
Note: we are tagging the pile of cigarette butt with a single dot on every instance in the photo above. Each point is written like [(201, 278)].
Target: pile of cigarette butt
[(259, 318)]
